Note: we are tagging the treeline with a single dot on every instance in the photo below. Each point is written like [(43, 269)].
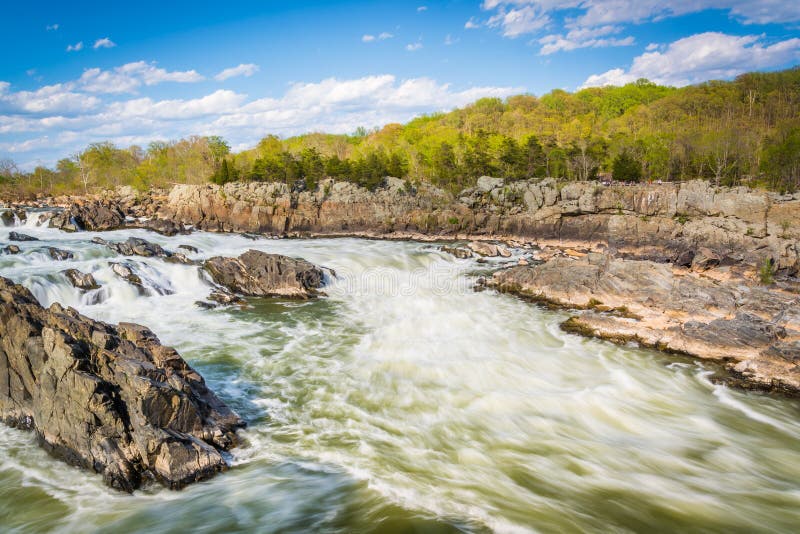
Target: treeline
[(746, 131)]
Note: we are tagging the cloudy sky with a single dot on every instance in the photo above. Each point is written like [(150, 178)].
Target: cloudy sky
[(78, 72)]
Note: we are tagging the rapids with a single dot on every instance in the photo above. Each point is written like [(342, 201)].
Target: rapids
[(404, 401)]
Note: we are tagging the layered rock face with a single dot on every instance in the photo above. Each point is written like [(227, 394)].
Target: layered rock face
[(656, 221), (92, 215), (259, 274), (754, 329), (107, 398)]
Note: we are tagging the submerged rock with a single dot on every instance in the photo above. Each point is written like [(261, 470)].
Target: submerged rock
[(81, 280), (15, 236), (59, 254), (259, 274), (189, 248), (110, 399), (458, 252), (11, 249), (126, 273)]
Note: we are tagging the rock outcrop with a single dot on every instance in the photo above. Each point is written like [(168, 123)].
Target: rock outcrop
[(659, 222), (92, 215), (754, 329), (110, 399), (59, 254), (258, 274)]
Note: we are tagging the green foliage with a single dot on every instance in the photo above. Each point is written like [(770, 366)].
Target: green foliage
[(625, 168), (746, 131), (766, 273)]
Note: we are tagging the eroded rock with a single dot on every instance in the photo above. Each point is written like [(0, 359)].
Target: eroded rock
[(81, 280), (110, 399), (16, 236), (259, 274)]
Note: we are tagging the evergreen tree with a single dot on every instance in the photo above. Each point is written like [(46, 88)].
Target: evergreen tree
[(626, 168)]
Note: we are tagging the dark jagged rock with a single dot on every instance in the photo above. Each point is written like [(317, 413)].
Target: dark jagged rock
[(15, 236), (81, 280), (135, 246), (166, 227), (7, 218), (59, 254), (110, 399), (11, 249), (177, 257), (189, 248), (259, 274), (94, 216)]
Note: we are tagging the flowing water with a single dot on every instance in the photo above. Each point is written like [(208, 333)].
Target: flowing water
[(406, 402)]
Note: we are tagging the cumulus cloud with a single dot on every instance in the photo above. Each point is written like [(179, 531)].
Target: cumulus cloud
[(105, 42), (129, 77), (51, 27), (578, 19), (243, 69), (413, 47), (76, 47), (471, 24), (333, 105), (700, 57)]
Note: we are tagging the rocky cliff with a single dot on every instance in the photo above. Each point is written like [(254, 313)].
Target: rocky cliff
[(655, 221)]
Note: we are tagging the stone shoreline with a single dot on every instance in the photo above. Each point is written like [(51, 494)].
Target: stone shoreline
[(703, 245)]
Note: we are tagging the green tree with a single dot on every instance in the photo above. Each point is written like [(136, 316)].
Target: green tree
[(626, 168)]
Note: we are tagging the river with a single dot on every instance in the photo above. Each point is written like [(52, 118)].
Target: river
[(406, 402)]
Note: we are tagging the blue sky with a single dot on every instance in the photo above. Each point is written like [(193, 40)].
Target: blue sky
[(79, 72)]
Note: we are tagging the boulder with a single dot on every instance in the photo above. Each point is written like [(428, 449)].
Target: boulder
[(109, 399), (166, 227), (189, 248), (135, 246), (15, 236), (81, 280), (458, 252), (487, 183), (259, 274), (59, 254), (7, 218), (94, 216), (126, 273), (490, 250), (11, 249)]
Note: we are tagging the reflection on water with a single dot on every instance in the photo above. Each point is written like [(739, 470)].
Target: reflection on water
[(405, 402)]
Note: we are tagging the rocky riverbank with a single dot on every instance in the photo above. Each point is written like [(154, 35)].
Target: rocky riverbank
[(684, 267)]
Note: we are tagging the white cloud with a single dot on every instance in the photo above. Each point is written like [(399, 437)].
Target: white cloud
[(450, 40), (519, 17), (129, 77), (471, 24), (652, 46), (331, 105), (420, 9), (380, 37), (51, 27), (583, 38), (243, 69), (105, 42), (76, 47), (413, 47), (702, 57), (516, 22), (56, 98)]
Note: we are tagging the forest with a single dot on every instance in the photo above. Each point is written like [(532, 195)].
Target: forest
[(740, 132)]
